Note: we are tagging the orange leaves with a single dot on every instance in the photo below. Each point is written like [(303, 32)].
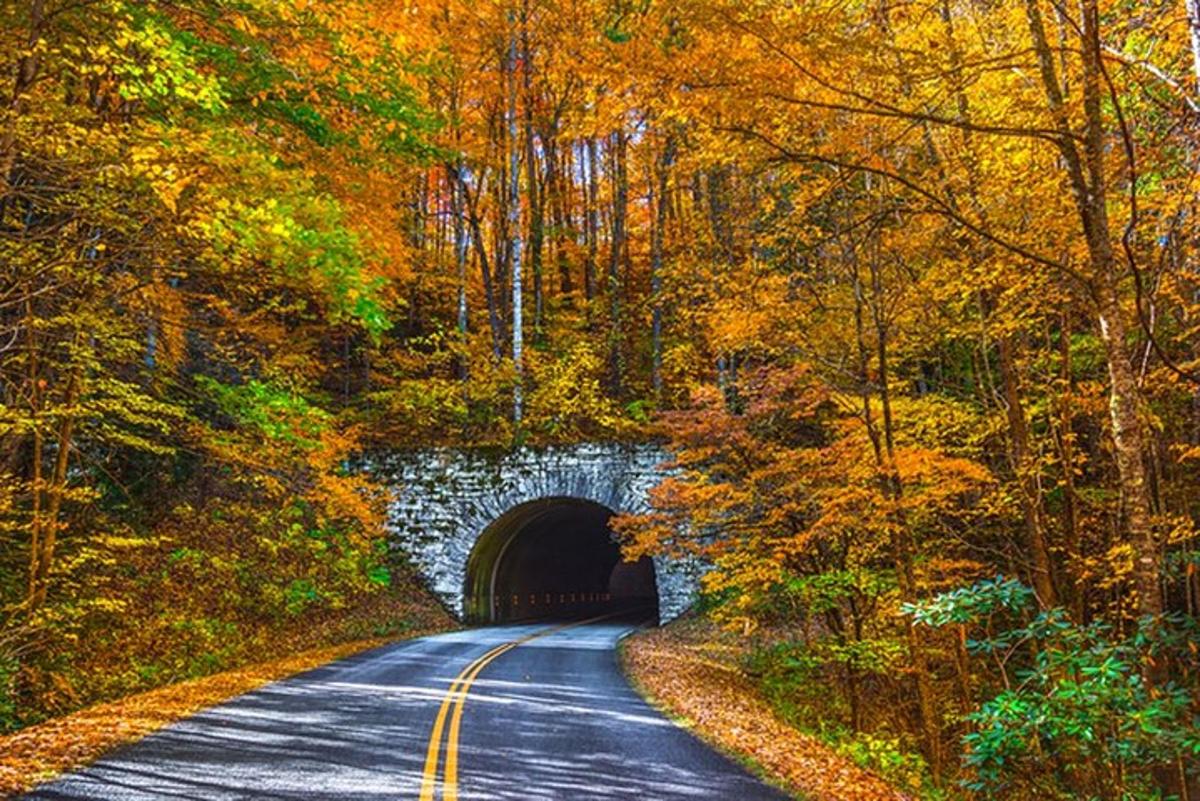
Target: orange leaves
[(750, 304), (935, 480), (779, 481), (41, 752), (693, 671)]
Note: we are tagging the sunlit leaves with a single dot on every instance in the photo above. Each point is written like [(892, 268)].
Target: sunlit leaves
[(974, 603)]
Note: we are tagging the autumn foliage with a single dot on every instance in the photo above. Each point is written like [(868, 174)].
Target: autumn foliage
[(178, 256), (909, 289)]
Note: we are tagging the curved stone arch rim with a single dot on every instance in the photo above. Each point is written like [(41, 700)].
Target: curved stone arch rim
[(506, 529), (444, 499)]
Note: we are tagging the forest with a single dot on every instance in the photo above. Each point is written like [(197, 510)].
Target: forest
[(911, 290)]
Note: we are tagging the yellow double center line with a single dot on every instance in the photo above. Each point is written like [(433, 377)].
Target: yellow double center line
[(452, 707)]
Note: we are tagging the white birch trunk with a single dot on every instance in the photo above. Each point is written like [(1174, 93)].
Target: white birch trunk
[(514, 222)]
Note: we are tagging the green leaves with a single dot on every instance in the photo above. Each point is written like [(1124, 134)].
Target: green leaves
[(1082, 696), (301, 235), (277, 413), (159, 67), (972, 604), (823, 592), (197, 208)]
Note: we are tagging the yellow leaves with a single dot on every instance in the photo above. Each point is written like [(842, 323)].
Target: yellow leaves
[(1180, 530), (165, 175), (941, 573), (1185, 453), (567, 397), (937, 476), (317, 61), (244, 24), (697, 673), (62, 744), (1114, 567), (744, 570), (746, 317)]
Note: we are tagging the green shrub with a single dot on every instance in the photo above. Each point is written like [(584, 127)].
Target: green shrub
[(1074, 706)]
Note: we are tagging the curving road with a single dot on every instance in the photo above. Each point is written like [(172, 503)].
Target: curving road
[(513, 712)]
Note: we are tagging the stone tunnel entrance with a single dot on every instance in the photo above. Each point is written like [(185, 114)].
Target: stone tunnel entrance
[(555, 559)]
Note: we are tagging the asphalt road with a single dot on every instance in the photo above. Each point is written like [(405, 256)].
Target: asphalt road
[(520, 712)]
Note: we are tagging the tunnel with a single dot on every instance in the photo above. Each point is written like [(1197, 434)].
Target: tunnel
[(556, 559)]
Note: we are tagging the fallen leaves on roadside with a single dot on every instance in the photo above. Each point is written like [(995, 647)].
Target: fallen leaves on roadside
[(39, 753), (688, 669)]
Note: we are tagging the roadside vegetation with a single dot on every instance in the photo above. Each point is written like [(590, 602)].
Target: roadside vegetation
[(42, 751), (909, 289), (697, 673)]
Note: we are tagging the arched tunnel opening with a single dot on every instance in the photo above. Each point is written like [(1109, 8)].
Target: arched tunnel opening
[(556, 559)]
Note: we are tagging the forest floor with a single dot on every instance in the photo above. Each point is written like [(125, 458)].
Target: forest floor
[(691, 670), (38, 753)]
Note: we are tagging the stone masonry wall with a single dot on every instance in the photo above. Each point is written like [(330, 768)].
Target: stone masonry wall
[(443, 499)]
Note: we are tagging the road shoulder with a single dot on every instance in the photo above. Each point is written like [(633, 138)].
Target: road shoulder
[(39, 753), (692, 676)]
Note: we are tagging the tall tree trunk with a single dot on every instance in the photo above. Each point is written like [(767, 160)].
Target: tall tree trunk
[(902, 544), (49, 524), (534, 192), (1125, 403), (657, 236), (419, 240), (592, 226), (891, 487), (37, 456), (620, 181), (1066, 438), (1025, 467), (514, 222), (717, 186), (458, 213), (564, 220), (557, 197), (1129, 441), (501, 236), (476, 241), (1089, 189)]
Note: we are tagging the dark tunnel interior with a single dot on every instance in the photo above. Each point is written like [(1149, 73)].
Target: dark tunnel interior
[(555, 559)]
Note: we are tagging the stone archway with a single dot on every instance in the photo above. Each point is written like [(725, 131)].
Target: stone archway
[(444, 500), (555, 559)]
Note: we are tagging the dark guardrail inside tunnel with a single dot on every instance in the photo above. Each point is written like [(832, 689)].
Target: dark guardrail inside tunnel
[(556, 559)]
